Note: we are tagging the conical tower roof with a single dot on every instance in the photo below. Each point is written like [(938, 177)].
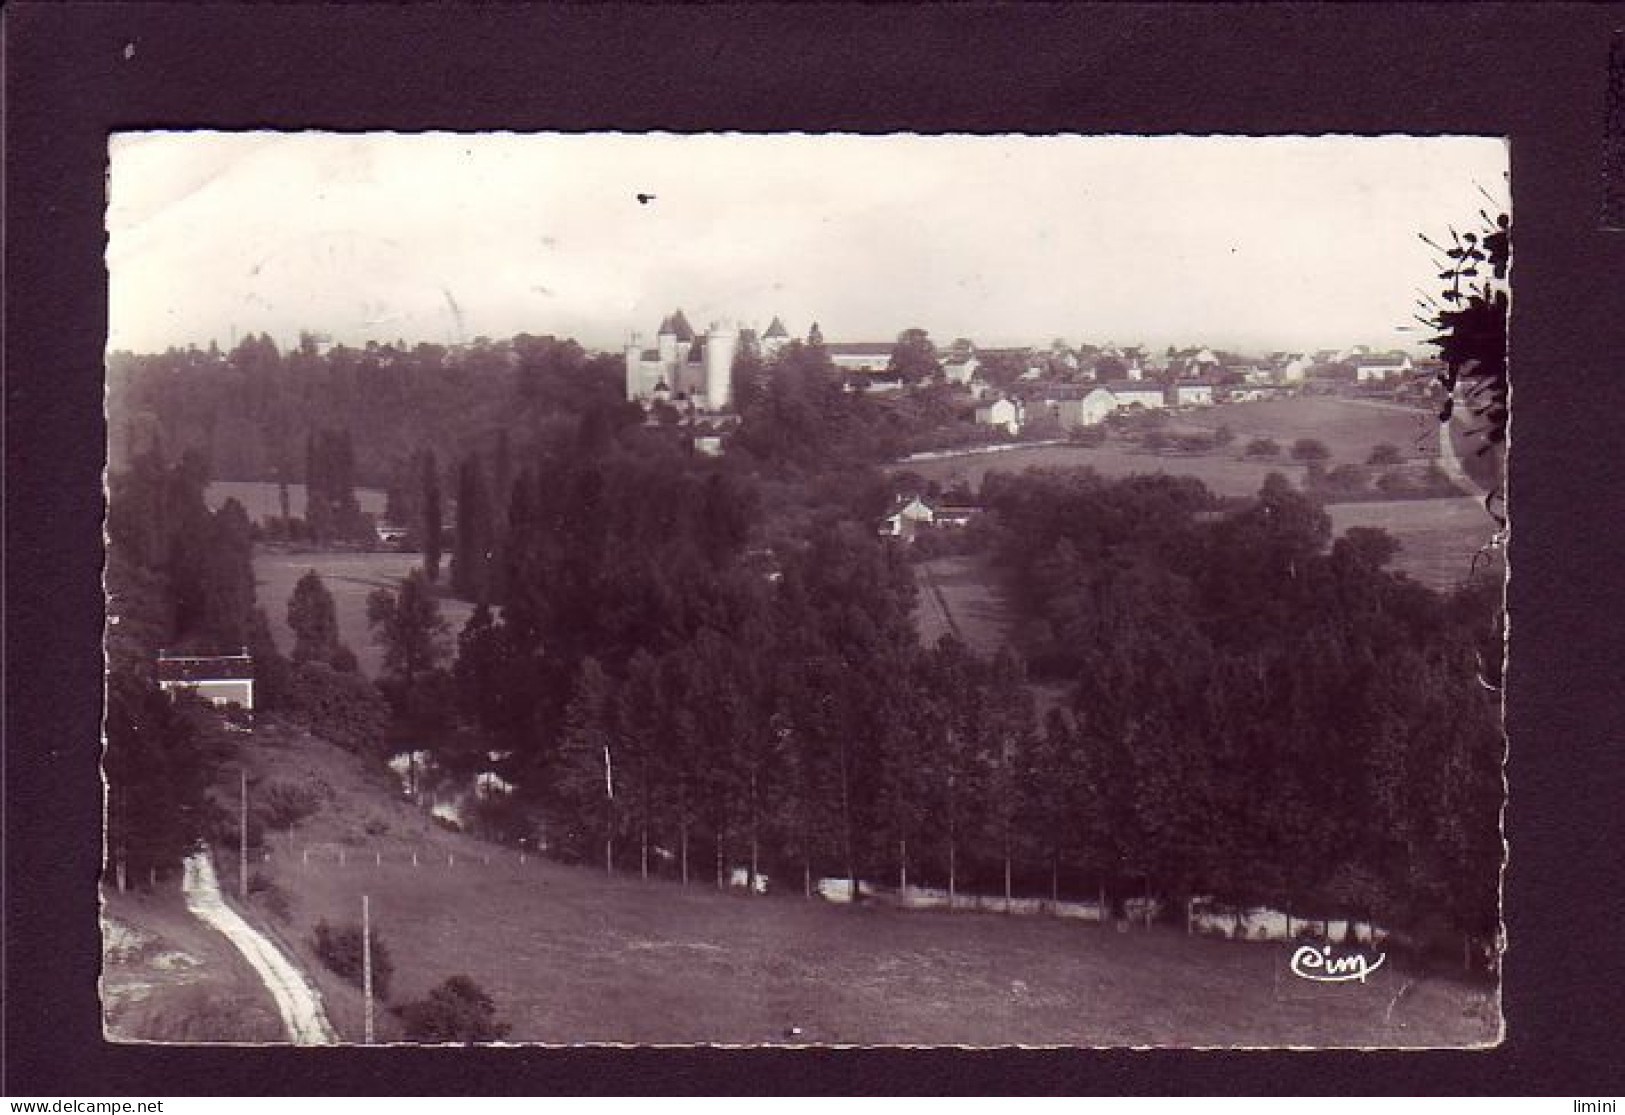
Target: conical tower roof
[(680, 326), (777, 329)]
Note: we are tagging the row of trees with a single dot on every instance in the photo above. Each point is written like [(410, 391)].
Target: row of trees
[(178, 577), (1255, 715), (245, 407)]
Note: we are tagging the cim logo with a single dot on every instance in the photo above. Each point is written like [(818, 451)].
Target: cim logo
[(1319, 965)]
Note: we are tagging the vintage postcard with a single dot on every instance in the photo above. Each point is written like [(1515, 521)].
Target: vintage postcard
[(797, 589)]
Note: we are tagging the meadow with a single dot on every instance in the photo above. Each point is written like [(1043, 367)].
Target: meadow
[(351, 577), (263, 501), (1439, 538), (570, 955), (960, 595)]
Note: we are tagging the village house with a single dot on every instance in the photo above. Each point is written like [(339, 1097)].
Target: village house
[(960, 368), (1380, 369), (1090, 409), (1295, 370), (1002, 414), (908, 515), (221, 679), (1192, 394), (860, 356), (955, 516), (1151, 396)]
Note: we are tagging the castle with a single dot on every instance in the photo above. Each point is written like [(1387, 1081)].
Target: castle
[(689, 368), (683, 366)]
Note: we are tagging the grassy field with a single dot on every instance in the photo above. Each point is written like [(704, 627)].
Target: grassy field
[(960, 595), (1348, 427), (572, 956), (1222, 473), (262, 501), (167, 977), (1438, 536), (351, 578)]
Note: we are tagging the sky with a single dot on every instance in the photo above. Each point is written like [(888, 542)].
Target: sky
[(1249, 244)]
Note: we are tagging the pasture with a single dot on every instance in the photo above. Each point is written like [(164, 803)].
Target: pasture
[(1221, 472), (262, 501), (1348, 427), (351, 578), (570, 955), (961, 595), (1438, 537)]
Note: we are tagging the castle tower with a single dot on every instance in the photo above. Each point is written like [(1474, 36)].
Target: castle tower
[(721, 342), (776, 337), (666, 342), (634, 367)]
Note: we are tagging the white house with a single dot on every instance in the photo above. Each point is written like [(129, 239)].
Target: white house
[(1193, 394), (1379, 369), (960, 369), (220, 679), (1295, 370), (1089, 410), (908, 514), (1151, 396), (1002, 413), (860, 356)]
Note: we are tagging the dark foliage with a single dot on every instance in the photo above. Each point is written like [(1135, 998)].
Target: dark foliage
[(340, 949), (456, 1011)]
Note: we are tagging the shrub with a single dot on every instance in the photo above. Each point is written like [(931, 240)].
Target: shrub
[(457, 1010), (285, 804), (262, 890), (345, 709), (1310, 451), (1347, 480), (1384, 454), (1089, 436), (1262, 447), (340, 950)]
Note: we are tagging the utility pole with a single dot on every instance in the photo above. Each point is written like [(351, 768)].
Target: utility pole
[(366, 961), (609, 814), (242, 842)]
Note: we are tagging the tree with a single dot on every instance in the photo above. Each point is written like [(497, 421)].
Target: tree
[(914, 357), (158, 762), (432, 528), (475, 541), (1472, 325), (313, 620), (1310, 451), (408, 626), (456, 1011), (587, 755)]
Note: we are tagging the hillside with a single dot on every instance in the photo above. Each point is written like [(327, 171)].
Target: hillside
[(572, 956), (166, 977)]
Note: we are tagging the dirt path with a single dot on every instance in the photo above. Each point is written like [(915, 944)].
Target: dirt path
[(300, 1007)]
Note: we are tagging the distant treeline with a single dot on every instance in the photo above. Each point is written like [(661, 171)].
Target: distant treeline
[(251, 411)]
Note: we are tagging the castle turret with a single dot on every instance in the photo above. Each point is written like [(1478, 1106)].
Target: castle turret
[(720, 344), (666, 342), (634, 367)]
